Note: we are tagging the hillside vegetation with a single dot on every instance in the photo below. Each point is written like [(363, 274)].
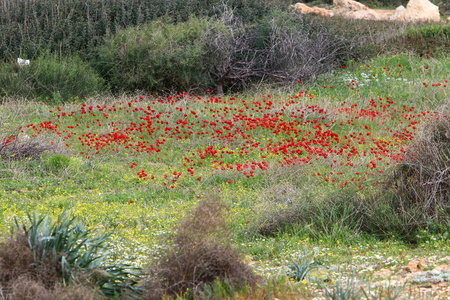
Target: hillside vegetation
[(221, 151)]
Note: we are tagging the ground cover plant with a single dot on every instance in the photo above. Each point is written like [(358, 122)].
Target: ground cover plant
[(294, 169)]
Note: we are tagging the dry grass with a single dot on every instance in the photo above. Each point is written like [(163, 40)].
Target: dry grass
[(417, 192), (17, 261), (200, 255), (25, 288)]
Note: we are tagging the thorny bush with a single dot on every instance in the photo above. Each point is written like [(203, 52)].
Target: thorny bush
[(200, 255), (417, 193)]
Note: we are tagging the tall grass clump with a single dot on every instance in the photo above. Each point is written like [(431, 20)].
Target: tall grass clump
[(416, 195), (200, 256), (335, 215)]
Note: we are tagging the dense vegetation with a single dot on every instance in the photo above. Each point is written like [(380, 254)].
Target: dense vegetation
[(124, 46), (202, 150)]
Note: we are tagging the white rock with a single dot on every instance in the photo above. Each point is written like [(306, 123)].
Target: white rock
[(421, 11), (399, 14), (23, 62), (304, 9), (353, 10)]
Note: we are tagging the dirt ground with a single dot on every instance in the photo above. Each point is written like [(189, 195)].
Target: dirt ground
[(422, 279)]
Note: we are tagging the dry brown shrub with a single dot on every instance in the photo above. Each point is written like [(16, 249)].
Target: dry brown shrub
[(16, 258), (75, 293), (14, 144), (16, 261), (201, 254), (25, 288), (17, 150), (417, 193)]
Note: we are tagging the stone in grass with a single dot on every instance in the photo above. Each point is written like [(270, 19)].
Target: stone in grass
[(416, 265)]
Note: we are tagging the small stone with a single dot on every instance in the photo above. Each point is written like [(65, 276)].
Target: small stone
[(416, 265)]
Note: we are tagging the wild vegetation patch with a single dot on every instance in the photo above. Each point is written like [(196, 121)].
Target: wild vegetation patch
[(279, 161)]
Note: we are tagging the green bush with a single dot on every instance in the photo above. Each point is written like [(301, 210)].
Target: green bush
[(14, 81), (56, 163), (432, 39), (50, 78), (283, 47), (155, 57)]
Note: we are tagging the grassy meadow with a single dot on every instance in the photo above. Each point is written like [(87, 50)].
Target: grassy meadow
[(134, 166), (325, 187)]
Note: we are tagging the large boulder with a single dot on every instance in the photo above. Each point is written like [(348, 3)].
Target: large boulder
[(421, 11), (304, 9), (399, 14), (353, 10)]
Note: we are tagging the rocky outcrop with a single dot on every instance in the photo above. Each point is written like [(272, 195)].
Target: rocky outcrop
[(353, 10), (304, 9), (399, 14), (415, 11), (421, 11)]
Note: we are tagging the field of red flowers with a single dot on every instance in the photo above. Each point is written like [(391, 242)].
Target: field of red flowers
[(245, 135)]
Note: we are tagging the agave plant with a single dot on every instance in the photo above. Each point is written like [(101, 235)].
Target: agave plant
[(303, 266), (76, 250)]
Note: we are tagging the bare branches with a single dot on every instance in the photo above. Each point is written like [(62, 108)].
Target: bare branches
[(284, 49)]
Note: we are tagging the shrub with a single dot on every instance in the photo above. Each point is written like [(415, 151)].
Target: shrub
[(64, 78), (157, 56), (25, 288), (50, 78), (282, 47), (416, 194), (56, 163), (335, 215), (369, 38), (200, 255), (431, 39), (11, 148), (14, 82)]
